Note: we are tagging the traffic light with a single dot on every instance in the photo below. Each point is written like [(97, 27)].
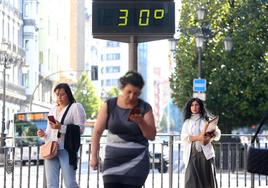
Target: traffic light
[(94, 72)]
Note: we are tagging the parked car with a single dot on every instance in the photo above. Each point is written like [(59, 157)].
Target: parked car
[(159, 154), (157, 162)]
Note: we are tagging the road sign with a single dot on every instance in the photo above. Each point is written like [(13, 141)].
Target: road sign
[(199, 85)]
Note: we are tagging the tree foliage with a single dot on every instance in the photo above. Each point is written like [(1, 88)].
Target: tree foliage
[(237, 87), (86, 94), (113, 92)]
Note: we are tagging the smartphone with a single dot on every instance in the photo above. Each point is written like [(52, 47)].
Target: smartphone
[(134, 111), (51, 118)]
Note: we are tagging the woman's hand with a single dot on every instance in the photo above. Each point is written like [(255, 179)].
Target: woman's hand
[(137, 118), (204, 139), (94, 163), (40, 133), (56, 125), (210, 134)]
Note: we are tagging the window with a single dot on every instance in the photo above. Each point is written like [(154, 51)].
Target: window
[(48, 26), (26, 45), (112, 44), (41, 57), (25, 80), (112, 69), (48, 59), (113, 56), (27, 9), (111, 82), (94, 72)]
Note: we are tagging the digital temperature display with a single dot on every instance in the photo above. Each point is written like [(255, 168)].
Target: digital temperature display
[(133, 18)]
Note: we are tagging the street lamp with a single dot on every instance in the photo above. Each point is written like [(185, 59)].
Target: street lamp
[(228, 44), (200, 39), (201, 11), (173, 47), (5, 59), (199, 45)]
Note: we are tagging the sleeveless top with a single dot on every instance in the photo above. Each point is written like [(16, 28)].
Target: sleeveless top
[(126, 154)]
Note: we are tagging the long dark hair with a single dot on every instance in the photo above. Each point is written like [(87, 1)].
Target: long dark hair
[(188, 112), (67, 90)]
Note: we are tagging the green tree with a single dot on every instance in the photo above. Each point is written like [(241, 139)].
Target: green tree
[(163, 123), (237, 87), (113, 92), (86, 94)]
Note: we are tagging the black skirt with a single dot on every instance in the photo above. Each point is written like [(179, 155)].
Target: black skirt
[(200, 172)]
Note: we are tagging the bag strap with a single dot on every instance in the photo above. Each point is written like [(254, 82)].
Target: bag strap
[(265, 116), (111, 103), (63, 117), (65, 113)]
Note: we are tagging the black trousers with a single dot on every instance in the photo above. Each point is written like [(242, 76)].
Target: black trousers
[(119, 185)]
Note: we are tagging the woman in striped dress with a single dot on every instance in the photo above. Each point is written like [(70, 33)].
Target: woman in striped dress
[(126, 162)]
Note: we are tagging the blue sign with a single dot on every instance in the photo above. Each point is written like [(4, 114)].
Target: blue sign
[(199, 85)]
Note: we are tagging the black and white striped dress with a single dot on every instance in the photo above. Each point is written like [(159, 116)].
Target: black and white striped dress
[(126, 153)]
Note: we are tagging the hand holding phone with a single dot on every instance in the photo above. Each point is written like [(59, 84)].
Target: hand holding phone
[(51, 118), (210, 134), (40, 133), (134, 111)]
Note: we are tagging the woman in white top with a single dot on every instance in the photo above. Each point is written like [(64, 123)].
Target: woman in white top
[(198, 153), (56, 131)]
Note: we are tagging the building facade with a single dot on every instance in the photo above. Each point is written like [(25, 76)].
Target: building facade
[(12, 60), (61, 48)]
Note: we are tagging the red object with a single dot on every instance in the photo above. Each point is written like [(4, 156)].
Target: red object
[(51, 118), (134, 111)]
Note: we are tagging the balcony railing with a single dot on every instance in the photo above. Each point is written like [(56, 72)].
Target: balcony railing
[(22, 166)]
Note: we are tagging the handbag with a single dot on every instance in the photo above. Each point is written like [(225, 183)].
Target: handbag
[(49, 150), (257, 160)]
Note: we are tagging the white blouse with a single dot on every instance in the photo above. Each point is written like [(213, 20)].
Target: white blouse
[(76, 115), (192, 129)]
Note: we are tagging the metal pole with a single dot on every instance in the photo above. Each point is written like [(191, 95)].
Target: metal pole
[(3, 109), (133, 54), (170, 170), (168, 118), (199, 49)]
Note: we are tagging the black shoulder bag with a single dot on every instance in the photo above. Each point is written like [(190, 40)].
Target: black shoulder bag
[(257, 162)]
